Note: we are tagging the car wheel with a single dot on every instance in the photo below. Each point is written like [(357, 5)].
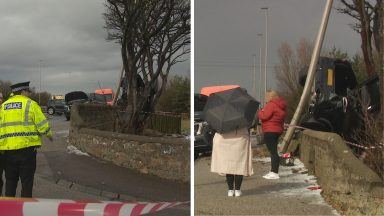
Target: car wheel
[(51, 111)]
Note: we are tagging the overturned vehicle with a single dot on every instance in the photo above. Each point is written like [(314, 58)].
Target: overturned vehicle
[(338, 103), (72, 98)]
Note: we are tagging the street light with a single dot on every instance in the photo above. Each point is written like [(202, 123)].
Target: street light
[(260, 64), (254, 76), (40, 80), (266, 47)]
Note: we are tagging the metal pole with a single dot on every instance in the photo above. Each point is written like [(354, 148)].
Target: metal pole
[(254, 76), (40, 81), (261, 67), (310, 76), (266, 48)]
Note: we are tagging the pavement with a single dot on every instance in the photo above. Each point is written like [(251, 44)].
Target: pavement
[(66, 173), (288, 195)]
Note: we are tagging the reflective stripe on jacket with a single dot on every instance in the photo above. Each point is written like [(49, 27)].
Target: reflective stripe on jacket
[(22, 123)]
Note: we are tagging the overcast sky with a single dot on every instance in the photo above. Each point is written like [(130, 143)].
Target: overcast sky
[(226, 36), (68, 36)]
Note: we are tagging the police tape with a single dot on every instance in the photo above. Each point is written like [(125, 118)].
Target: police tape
[(57, 207), (380, 145)]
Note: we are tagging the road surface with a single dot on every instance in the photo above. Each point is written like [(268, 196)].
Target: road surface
[(287, 196)]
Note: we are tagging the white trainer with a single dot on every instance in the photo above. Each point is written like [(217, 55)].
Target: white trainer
[(267, 174), (231, 193), (237, 193), (271, 175)]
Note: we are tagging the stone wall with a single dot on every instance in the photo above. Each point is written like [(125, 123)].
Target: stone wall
[(91, 131), (350, 185)]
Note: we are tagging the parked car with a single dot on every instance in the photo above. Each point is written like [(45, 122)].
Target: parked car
[(55, 106), (73, 98), (203, 131)]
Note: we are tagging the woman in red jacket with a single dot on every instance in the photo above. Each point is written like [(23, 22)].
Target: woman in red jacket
[(272, 121)]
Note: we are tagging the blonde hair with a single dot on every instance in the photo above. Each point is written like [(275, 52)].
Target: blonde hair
[(272, 94)]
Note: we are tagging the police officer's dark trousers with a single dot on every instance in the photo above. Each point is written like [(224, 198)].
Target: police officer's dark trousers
[(2, 168), (21, 164)]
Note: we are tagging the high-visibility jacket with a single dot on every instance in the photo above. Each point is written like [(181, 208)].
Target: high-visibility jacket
[(22, 123)]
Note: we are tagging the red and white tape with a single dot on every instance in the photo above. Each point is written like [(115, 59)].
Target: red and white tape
[(349, 143), (45, 207)]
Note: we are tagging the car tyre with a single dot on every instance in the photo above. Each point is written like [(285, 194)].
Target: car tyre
[(51, 111)]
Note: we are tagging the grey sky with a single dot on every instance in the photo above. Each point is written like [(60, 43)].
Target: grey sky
[(68, 36), (226, 36)]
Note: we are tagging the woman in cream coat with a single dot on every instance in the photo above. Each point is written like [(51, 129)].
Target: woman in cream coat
[(232, 156)]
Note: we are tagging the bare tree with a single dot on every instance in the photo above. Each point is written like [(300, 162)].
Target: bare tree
[(369, 25), (5, 88), (304, 52), (287, 71), (154, 35), (358, 67)]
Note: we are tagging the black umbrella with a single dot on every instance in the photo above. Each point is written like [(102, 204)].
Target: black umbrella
[(231, 109)]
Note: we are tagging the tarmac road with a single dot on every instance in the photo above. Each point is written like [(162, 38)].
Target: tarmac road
[(61, 174)]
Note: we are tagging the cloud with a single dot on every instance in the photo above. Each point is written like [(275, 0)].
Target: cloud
[(68, 36), (226, 36)]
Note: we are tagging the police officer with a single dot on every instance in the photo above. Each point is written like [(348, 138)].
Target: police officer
[(22, 123)]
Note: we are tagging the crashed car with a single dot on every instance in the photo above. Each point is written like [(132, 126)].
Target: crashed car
[(338, 102), (72, 98)]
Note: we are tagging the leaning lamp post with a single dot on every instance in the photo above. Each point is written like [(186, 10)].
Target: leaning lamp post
[(311, 74)]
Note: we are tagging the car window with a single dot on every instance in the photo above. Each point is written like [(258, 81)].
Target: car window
[(55, 102), (59, 102)]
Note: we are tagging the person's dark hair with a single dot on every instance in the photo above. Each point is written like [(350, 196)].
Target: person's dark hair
[(17, 92)]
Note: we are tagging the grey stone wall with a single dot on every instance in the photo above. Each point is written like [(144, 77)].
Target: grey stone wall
[(167, 158), (346, 181), (92, 129)]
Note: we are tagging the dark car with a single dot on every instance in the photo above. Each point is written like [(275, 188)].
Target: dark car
[(339, 104), (73, 98), (55, 106), (203, 131)]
